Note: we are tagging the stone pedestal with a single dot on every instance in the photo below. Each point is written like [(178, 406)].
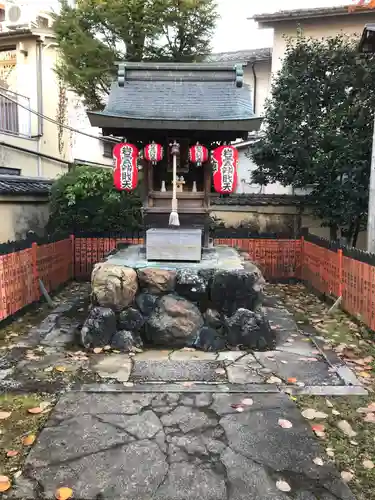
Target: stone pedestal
[(174, 245)]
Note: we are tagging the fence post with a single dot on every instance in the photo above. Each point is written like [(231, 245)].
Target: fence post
[(73, 266), (302, 256), (34, 253), (339, 254)]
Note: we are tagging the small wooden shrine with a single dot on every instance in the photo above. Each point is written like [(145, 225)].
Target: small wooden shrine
[(173, 118)]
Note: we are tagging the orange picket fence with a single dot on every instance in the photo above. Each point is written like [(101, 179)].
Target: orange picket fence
[(328, 268), (21, 269)]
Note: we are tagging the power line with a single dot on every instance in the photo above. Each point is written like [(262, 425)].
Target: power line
[(59, 124)]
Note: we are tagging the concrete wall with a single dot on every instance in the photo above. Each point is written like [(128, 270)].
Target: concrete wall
[(245, 185), (270, 218), (20, 214), (263, 82), (351, 24), (83, 147)]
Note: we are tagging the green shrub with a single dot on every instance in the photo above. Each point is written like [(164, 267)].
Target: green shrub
[(85, 199)]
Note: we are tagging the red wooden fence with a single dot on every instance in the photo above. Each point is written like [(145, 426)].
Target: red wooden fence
[(20, 272), (333, 271)]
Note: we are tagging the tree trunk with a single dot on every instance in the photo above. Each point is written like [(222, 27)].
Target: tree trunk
[(333, 232), (356, 232)]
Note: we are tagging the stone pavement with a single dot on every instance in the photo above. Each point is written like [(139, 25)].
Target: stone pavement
[(177, 446), (177, 424)]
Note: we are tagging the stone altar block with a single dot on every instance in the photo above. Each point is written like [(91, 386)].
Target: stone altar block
[(174, 244)]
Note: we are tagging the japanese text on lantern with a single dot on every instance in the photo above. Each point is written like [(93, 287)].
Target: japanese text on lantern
[(227, 169), (127, 168)]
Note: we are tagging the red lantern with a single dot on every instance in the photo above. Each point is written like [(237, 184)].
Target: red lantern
[(224, 167), (125, 173), (198, 154), (153, 153)]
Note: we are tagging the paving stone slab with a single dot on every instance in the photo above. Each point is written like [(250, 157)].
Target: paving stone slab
[(121, 446), (187, 387), (309, 372), (208, 371)]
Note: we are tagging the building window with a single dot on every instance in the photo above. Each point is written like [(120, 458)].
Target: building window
[(8, 116), (10, 171), (108, 149)]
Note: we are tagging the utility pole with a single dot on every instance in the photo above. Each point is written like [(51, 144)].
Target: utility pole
[(367, 45)]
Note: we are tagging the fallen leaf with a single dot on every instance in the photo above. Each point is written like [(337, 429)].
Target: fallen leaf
[(285, 424), (60, 369), (12, 453), (311, 414), (354, 443), (35, 411), (335, 412), (318, 461), (17, 474), (292, 380), (98, 350), (64, 493), (29, 440), (5, 414), (330, 452), (346, 476), (116, 351), (5, 483), (318, 428), (370, 418), (283, 486), (329, 404), (48, 369), (368, 464), (364, 374), (220, 371), (247, 402), (274, 380), (44, 405), (107, 348)]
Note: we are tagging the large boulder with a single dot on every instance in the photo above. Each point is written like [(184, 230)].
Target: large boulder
[(146, 303), (213, 318), (130, 319), (175, 322), (155, 280), (209, 339), (191, 285), (126, 341), (99, 327), (233, 289), (113, 286), (250, 329)]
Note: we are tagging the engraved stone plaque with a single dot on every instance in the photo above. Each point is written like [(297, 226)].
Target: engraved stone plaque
[(174, 244)]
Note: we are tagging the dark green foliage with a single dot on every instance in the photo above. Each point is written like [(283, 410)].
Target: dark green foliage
[(97, 33), (319, 124), (85, 200)]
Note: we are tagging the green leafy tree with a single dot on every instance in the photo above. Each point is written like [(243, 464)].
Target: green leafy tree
[(85, 199), (318, 130), (96, 33)]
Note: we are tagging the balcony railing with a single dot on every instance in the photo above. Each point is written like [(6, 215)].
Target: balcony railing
[(14, 118)]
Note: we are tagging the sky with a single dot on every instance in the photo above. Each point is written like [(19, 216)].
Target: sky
[(236, 32)]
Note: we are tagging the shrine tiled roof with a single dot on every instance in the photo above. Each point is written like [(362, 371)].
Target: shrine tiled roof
[(309, 13), (15, 185), (243, 56), (178, 92)]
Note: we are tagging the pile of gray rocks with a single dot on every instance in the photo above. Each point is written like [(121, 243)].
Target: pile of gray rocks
[(210, 309)]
